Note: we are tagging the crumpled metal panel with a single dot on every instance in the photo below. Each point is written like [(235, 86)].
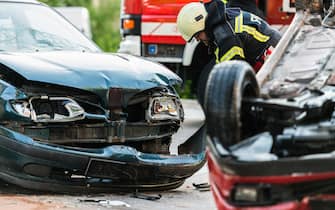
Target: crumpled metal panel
[(90, 71)]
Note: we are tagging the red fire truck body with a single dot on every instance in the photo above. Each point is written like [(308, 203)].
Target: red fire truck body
[(148, 29)]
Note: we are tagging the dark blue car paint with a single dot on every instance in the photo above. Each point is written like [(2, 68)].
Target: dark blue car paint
[(90, 71), (31, 163), (22, 151), (125, 168)]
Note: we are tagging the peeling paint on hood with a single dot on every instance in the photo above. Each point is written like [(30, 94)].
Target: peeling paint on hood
[(90, 70)]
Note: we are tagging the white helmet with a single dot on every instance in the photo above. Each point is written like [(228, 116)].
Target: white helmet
[(191, 19)]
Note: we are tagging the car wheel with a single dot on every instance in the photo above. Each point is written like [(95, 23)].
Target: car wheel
[(228, 84), (202, 81)]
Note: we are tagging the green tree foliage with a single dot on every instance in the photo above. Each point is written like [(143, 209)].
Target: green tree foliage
[(104, 20)]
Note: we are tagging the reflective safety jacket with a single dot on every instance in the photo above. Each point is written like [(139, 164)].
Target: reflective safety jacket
[(237, 34)]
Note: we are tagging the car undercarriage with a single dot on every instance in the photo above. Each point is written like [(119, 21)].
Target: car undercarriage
[(272, 134)]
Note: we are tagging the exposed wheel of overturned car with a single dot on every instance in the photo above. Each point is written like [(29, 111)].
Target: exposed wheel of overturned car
[(228, 84)]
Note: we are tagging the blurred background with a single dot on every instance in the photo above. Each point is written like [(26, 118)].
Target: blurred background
[(104, 19)]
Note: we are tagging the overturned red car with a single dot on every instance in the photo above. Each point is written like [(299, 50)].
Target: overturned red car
[(272, 135)]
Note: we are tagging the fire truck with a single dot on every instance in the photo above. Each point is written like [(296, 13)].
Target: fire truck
[(148, 29)]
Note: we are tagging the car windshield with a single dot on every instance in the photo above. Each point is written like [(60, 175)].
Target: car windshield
[(34, 27)]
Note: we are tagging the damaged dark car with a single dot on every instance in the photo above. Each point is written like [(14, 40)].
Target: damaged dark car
[(73, 118), (272, 135)]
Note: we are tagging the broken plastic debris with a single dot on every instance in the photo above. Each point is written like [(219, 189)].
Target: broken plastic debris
[(114, 203), (146, 196), (202, 187), (107, 202)]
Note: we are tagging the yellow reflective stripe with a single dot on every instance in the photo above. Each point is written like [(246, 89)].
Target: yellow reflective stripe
[(256, 34), (239, 28), (239, 23), (225, 1), (230, 54)]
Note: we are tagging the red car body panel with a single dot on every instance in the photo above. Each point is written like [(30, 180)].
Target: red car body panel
[(222, 183)]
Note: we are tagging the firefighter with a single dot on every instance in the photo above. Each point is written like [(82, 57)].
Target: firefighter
[(230, 33)]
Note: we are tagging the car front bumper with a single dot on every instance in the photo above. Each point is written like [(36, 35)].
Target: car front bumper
[(48, 167)]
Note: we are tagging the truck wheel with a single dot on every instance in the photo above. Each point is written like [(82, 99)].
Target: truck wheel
[(228, 84), (202, 81)]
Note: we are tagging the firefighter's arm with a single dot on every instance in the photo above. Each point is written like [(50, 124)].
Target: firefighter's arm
[(234, 53)]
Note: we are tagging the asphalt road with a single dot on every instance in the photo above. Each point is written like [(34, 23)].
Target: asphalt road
[(182, 198)]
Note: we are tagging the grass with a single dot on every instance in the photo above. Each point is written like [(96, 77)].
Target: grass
[(105, 22)]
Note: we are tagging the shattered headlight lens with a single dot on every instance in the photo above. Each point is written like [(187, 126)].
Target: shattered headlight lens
[(49, 109), (165, 108)]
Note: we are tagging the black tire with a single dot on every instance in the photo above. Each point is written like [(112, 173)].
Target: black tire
[(228, 83), (202, 81)]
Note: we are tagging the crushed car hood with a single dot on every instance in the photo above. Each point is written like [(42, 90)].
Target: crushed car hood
[(89, 70)]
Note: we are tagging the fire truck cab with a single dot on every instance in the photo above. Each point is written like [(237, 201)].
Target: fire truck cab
[(148, 29)]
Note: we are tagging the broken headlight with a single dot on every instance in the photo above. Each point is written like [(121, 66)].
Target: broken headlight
[(49, 109), (165, 108)]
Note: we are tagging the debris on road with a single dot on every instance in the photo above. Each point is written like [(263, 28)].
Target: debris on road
[(106, 202), (202, 187), (146, 196)]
